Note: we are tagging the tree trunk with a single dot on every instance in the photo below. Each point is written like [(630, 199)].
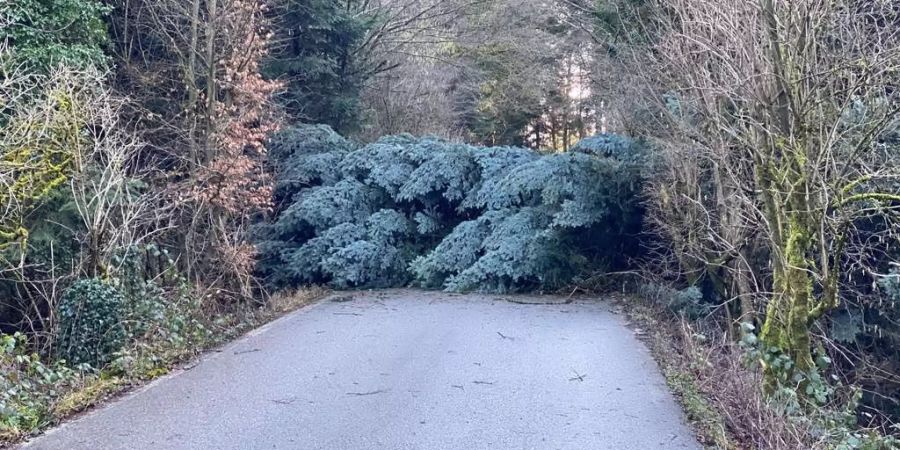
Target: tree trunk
[(786, 326), (212, 26), (191, 77)]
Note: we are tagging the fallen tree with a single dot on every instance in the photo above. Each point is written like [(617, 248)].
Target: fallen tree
[(439, 214)]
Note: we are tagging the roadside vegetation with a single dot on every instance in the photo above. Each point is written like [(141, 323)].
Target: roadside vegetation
[(173, 172)]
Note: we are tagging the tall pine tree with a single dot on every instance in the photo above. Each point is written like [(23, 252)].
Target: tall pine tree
[(318, 59)]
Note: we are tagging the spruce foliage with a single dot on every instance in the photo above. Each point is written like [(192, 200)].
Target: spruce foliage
[(320, 59), (446, 215)]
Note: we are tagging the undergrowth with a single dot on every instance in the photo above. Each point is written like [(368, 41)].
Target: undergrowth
[(160, 326), (717, 378)]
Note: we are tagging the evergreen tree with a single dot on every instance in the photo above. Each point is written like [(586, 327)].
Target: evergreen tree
[(319, 61), (447, 215)]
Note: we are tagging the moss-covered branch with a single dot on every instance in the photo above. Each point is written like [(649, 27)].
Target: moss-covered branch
[(877, 196)]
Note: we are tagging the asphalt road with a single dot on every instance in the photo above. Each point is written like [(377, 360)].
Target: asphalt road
[(405, 370)]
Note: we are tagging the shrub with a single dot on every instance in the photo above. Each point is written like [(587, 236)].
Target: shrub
[(28, 387), (90, 323), (447, 215), (78, 40), (687, 302), (161, 317)]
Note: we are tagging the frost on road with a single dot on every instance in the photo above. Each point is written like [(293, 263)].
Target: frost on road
[(406, 370)]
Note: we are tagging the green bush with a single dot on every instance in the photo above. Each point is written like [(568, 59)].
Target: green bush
[(90, 323), (28, 387), (161, 316), (447, 215), (47, 33)]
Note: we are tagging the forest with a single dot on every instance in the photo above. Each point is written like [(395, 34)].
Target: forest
[(174, 172)]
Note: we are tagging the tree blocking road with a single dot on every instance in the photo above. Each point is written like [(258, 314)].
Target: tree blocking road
[(406, 370)]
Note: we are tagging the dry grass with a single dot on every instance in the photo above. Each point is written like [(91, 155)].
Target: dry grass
[(720, 394), (289, 300), (734, 390), (91, 393)]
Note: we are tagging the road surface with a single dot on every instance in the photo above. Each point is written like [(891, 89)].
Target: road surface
[(403, 370)]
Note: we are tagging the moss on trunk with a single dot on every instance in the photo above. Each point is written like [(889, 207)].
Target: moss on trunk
[(786, 326)]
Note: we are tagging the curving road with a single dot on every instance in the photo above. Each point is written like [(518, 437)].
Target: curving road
[(403, 370)]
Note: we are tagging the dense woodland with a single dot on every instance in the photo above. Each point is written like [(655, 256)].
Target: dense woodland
[(168, 166)]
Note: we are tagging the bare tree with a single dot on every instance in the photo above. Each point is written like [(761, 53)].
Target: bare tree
[(494, 71), (205, 117), (107, 190), (781, 108), (61, 137)]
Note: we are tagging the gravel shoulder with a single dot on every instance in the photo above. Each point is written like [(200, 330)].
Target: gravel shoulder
[(405, 369)]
